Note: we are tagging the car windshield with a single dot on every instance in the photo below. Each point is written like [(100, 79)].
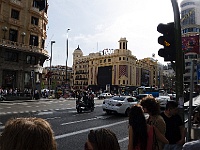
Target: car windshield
[(119, 98)]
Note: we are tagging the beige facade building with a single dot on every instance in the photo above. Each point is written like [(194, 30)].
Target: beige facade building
[(56, 78), (22, 39), (113, 70)]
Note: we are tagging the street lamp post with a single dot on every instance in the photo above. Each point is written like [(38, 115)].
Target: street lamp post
[(52, 42), (67, 56)]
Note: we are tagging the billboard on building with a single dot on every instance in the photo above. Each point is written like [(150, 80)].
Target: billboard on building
[(190, 44), (104, 76), (145, 76)]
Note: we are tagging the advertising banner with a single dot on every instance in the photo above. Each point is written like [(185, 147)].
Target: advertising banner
[(190, 44)]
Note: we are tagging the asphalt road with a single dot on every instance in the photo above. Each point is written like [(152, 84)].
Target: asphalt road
[(70, 128)]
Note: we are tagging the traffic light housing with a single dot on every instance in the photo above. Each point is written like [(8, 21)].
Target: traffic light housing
[(168, 41)]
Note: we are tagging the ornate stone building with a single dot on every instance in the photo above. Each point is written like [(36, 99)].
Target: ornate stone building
[(112, 70), (58, 77), (22, 39)]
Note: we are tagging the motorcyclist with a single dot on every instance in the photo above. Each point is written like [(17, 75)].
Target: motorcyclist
[(85, 98), (91, 100)]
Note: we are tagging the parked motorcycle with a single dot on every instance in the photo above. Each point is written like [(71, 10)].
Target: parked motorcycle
[(82, 106)]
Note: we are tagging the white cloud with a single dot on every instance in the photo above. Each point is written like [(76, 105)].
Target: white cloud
[(105, 22)]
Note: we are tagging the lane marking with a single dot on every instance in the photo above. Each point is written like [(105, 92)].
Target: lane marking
[(52, 118), (86, 130), (81, 121), (45, 113), (122, 140)]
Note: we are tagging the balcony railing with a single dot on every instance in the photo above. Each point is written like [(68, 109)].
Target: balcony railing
[(35, 10), (22, 47), (15, 22), (16, 2)]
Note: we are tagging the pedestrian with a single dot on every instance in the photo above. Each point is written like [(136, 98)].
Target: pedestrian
[(142, 136), (152, 107), (102, 139), (27, 134), (175, 130)]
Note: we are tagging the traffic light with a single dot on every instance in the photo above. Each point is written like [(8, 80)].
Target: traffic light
[(168, 41)]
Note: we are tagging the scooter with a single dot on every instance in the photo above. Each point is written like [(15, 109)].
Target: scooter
[(82, 106)]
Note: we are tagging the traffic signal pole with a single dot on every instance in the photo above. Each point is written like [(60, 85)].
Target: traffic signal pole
[(179, 56)]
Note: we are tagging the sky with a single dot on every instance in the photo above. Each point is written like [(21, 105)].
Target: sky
[(99, 24)]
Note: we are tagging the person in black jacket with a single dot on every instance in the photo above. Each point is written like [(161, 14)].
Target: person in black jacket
[(175, 130)]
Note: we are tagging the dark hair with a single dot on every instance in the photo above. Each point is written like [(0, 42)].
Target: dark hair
[(27, 134), (171, 105), (138, 123), (151, 104), (103, 139)]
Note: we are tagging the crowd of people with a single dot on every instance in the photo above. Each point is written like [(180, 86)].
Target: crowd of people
[(160, 131)]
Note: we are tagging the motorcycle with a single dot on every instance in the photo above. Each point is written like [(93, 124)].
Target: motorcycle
[(82, 106)]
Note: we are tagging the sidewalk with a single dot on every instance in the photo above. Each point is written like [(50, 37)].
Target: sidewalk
[(33, 100)]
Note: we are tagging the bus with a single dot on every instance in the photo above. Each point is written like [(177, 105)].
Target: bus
[(148, 90)]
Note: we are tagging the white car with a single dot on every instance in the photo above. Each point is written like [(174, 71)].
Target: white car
[(105, 95), (163, 100), (119, 104)]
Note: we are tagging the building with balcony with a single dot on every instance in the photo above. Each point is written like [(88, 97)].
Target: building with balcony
[(22, 39), (56, 77), (113, 70), (190, 26)]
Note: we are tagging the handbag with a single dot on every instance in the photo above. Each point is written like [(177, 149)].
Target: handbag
[(155, 145)]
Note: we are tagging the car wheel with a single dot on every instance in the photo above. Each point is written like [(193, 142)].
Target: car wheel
[(108, 112), (79, 110), (127, 112)]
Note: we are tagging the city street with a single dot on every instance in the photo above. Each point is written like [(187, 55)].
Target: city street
[(70, 128)]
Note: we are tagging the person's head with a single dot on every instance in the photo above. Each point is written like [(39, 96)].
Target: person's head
[(138, 123), (171, 107), (150, 105), (102, 139), (27, 134)]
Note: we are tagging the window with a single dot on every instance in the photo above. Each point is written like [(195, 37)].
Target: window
[(15, 14), (33, 40), (123, 58), (109, 60), (35, 3), (13, 35), (31, 60), (11, 56), (34, 21), (119, 58)]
